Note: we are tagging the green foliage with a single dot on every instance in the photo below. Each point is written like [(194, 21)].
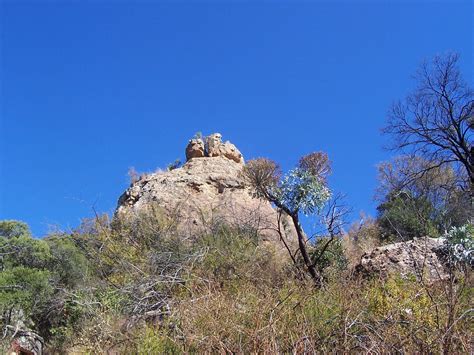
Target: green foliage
[(429, 184), (67, 261), (174, 165), (232, 255), (400, 298), (22, 250), (227, 291), (154, 341), (37, 281), (11, 228), (24, 289), (329, 254), (301, 190), (404, 217)]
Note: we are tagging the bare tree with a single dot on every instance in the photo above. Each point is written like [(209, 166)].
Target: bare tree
[(435, 120)]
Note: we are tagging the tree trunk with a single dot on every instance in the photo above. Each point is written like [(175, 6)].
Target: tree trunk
[(302, 246)]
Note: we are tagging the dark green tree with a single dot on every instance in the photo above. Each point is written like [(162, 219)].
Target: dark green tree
[(12, 228), (403, 217)]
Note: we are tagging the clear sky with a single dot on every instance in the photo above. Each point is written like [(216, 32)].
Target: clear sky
[(89, 89)]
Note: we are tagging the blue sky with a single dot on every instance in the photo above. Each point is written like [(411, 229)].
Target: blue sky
[(89, 89)]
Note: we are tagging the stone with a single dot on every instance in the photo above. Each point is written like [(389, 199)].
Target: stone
[(214, 142), (212, 146), (195, 149), (231, 152), (201, 193), (216, 148), (420, 257)]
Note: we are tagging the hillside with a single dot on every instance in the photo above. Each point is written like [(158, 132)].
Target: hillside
[(197, 259)]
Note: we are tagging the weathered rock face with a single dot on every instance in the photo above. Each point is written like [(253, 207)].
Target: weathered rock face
[(205, 190), (421, 257), (212, 146), (195, 149)]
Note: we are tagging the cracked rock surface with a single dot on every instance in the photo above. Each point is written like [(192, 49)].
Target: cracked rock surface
[(421, 257), (204, 191)]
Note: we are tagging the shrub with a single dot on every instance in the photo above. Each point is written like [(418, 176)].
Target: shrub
[(404, 217), (11, 228), (331, 257), (459, 246), (67, 262)]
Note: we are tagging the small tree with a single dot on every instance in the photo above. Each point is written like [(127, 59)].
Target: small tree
[(302, 190), (437, 187), (12, 228), (403, 216)]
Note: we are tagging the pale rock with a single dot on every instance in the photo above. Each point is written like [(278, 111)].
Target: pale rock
[(204, 192), (195, 149), (420, 257), (216, 148)]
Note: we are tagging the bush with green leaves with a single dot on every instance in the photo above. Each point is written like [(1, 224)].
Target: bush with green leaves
[(12, 228), (303, 190), (67, 261), (24, 251), (39, 281), (25, 289), (300, 190), (404, 217), (329, 254)]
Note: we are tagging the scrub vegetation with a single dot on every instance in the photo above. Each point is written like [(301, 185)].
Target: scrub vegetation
[(123, 285)]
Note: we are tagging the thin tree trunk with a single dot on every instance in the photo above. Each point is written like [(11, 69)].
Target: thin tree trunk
[(302, 246)]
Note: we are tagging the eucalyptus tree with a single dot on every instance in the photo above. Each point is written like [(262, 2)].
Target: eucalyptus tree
[(301, 191)]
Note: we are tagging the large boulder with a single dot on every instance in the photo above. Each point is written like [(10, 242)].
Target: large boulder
[(420, 257), (195, 149), (205, 191), (212, 146)]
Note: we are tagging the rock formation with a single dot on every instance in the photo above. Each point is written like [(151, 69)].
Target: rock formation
[(206, 190), (421, 257), (195, 149), (212, 146)]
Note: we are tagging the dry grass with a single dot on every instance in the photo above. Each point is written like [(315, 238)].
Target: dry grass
[(236, 296), (232, 305)]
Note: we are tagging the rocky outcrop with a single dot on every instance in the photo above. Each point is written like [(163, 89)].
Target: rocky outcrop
[(195, 149), (421, 257), (205, 191), (216, 148), (212, 146)]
